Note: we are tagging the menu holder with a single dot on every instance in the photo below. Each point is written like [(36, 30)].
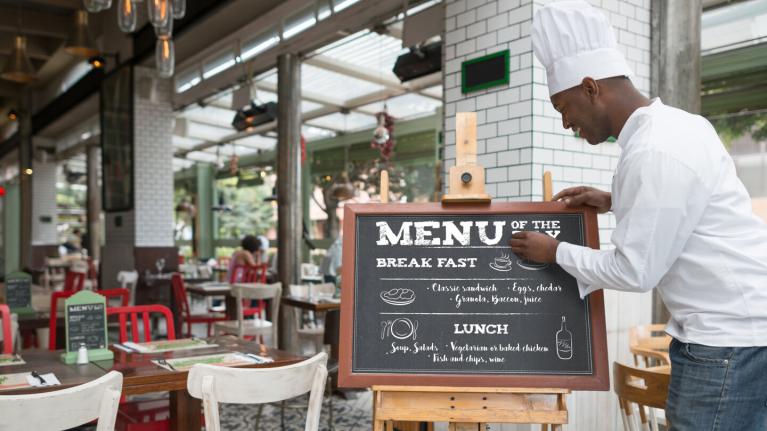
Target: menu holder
[(18, 292), (85, 320)]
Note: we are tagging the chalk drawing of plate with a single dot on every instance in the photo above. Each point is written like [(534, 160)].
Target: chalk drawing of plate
[(398, 296), (532, 266), (500, 268), (403, 328)]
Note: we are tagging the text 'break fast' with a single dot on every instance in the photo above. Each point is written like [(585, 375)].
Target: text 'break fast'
[(426, 262)]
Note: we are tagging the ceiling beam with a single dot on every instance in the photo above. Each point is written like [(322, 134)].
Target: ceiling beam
[(348, 21), (62, 4), (344, 68), (35, 23)]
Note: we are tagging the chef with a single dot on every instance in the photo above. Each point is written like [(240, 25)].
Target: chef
[(684, 223)]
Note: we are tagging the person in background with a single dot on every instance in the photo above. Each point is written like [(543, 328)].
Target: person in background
[(684, 224), (74, 241), (331, 264), (248, 255)]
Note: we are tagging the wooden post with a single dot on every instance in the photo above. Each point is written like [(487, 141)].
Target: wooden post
[(384, 187), (288, 185), (547, 189), (93, 210), (466, 178)]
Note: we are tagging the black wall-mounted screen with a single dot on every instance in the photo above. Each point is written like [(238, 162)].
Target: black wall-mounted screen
[(484, 72)]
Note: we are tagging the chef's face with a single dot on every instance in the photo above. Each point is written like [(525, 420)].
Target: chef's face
[(582, 111)]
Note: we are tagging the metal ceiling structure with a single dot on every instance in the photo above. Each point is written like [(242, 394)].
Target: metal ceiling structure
[(343, 85)]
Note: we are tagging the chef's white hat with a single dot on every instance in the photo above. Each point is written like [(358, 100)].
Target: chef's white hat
[(574, 40)]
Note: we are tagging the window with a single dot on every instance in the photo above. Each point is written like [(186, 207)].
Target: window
[(260, 44), (218, 64), (299, 22)]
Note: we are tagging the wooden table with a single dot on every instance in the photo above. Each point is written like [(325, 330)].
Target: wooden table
[(44, 361), (311, 303), (199, 289), (141, 376)]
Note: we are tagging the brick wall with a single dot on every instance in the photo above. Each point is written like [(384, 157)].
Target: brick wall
[(153, 160)]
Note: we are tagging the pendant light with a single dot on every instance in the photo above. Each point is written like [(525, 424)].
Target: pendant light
[(19, 68), (164, 57), (179, 9), (164, 31), (80, 42), (159, 12), (94, 6), (126, 16)]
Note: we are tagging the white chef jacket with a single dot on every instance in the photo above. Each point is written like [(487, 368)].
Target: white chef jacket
[(684, 225)]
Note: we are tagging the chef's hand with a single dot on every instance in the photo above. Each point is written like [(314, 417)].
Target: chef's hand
[(577, 196), (534, 246)]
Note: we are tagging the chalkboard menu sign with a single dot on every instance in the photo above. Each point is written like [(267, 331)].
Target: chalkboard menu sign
[(433, 295), (18, 291), (85, 320)]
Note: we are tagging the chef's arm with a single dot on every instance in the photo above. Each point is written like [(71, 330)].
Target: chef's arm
[(661, 202)]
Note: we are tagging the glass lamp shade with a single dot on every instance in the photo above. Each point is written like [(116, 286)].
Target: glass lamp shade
[(18, 68), (164, 58), (179, 9), (159, 12), (126, 16), (80, 42), (164, 31), (94, 6)]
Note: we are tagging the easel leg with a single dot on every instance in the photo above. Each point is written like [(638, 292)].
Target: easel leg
[(378, 425)]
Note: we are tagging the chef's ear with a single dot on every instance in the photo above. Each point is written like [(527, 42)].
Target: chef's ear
[(590, 88)]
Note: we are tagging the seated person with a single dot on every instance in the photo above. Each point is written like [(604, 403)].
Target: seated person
[(248, 255)]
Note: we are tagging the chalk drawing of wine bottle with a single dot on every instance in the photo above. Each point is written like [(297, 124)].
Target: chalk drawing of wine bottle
[(564, 342)]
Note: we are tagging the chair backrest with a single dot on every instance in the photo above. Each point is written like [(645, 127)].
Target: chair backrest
[(122, 294), (301, 290), (213, 385), (5, 319), (649, 344), (74, 281), (640, 387), (64, 409), (129, 280), (322, 289), (142, 312), (179, 293), (258, 291)]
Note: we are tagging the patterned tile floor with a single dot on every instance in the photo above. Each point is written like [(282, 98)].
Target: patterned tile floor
[(348, 415)]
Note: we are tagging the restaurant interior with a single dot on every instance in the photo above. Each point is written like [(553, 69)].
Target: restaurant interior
[(187, 163)]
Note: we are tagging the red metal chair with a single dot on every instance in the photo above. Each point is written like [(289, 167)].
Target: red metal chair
[(144, 311), (5, 314), (179, 293), (122, 294), (142, 414), (74, 281)]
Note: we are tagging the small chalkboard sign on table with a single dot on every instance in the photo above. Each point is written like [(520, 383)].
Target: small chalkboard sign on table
[(85, 319), (18, 292)]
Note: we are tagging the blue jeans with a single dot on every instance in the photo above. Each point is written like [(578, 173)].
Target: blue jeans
[(717, 388)]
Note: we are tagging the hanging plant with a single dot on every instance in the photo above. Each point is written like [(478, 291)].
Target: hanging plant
[(383, 136)]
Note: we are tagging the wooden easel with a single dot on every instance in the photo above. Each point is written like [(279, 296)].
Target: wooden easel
[(468, 408)]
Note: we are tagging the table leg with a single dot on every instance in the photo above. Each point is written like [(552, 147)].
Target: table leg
[(185, 411), (175, 308), (231, 307)]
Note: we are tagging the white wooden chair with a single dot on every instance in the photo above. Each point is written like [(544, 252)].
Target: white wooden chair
[(128, 280), (64, 409), (315, 329), (257, 326), (214, 384)]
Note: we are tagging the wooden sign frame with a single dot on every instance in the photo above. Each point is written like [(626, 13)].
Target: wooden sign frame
[(599, 380)]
